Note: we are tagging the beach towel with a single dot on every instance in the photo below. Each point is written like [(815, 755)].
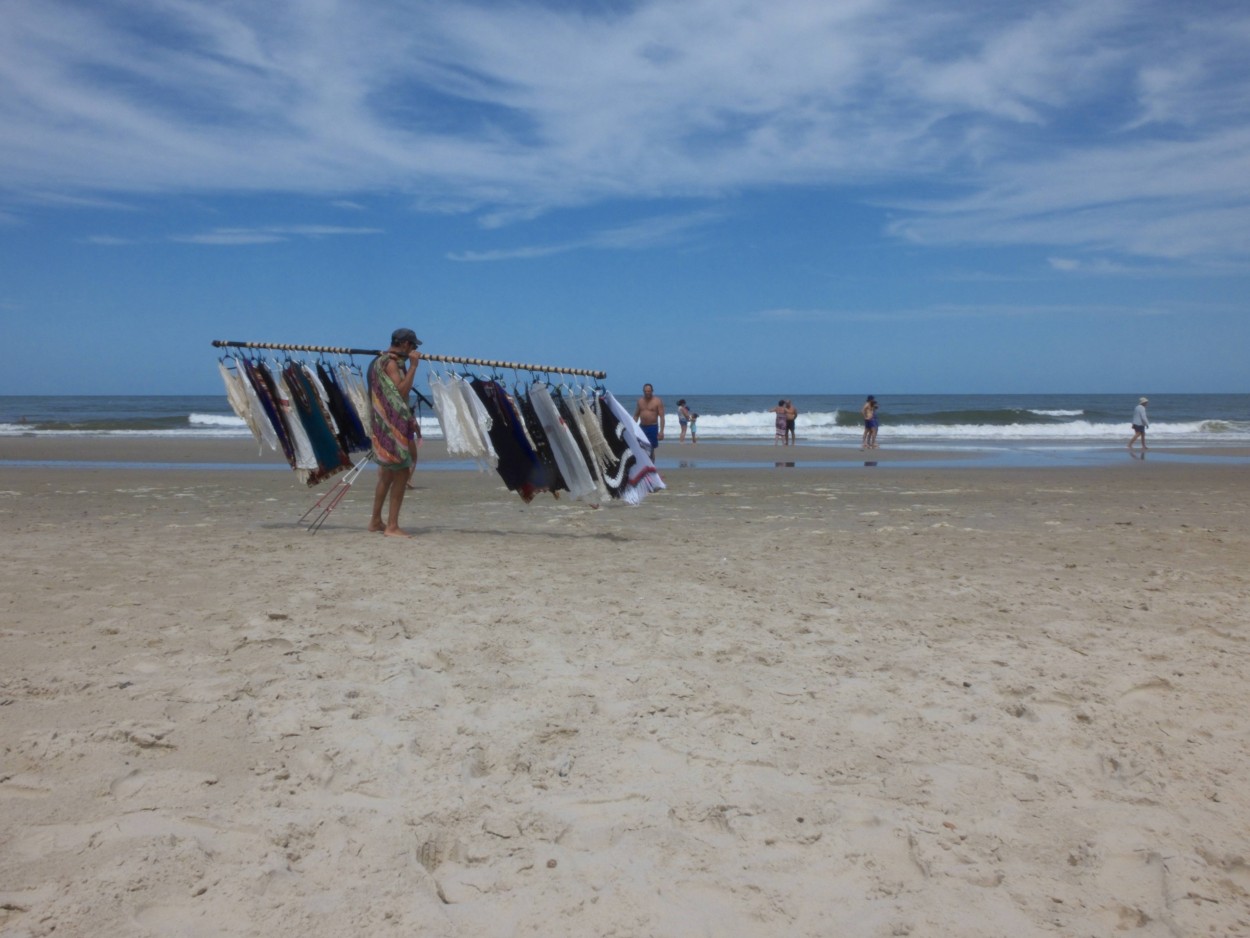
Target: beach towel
[(390, 418)]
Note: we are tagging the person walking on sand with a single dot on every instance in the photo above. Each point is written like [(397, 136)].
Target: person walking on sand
[(1140, 423), (869, 413), (792, 414), (392, 427), (649, 412), (683, 419)]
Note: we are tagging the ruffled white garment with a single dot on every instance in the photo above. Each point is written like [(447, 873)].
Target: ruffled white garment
[(447, 411), (478, 422), (588, 426), (237, 388), (458, 418), (599, 448)]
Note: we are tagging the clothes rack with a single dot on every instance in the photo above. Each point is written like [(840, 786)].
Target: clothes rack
[(454, 359), (542, 439)]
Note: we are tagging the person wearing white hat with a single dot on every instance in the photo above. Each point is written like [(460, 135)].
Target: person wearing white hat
[(1140, 423)]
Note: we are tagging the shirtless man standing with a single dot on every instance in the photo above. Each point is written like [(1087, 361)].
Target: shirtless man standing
[(391, 426), (650, 413), (869, 413)]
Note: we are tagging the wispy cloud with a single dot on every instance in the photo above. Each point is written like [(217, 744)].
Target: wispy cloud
[(72, 200), (109, 240), (953, 311), (1110, 125), (1101, 266), (269, 234), (649, 233)]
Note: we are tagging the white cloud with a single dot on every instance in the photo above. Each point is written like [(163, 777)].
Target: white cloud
[(1168, 199), (1107, 124), (952, 311), (1101, 266), (648, 233), (109, 240), (268, 234)]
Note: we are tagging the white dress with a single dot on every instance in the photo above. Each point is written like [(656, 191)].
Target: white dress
[(305, 458), (568, 457)]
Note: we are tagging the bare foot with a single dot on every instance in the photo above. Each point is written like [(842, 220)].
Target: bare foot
[(395, 532), (376, 526)]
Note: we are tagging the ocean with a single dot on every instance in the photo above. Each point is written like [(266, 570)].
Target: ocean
[(913, 420)]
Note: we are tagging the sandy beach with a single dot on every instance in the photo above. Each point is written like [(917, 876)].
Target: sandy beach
[(803, 702)]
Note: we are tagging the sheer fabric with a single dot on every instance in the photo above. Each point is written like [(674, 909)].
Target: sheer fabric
[(563, 447)]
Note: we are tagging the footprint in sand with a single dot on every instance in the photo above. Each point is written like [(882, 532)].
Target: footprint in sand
[(128, 784), (22, 786), (1155, 687)]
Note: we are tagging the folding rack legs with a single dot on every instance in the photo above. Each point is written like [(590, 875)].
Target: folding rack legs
[(330, 500)]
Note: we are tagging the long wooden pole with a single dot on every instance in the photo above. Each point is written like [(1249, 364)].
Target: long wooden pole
[(481, 362)]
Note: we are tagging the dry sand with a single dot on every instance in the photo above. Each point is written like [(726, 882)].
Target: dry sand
[(800, 702)]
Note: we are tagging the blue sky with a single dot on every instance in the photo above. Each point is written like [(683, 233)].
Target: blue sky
[(773, 196)]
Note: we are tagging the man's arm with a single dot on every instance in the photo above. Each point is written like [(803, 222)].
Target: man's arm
[(414, 359), (660, 415), (403, 379)]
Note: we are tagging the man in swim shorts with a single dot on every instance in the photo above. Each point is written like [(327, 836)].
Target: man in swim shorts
[(649, 412), (391, 426), (869, 413)]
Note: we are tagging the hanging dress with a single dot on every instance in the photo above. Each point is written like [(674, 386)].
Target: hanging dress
[(518, 464), (570, 408), (478, 420), (563, 447), (306, 397), (351, 432), (533, 427), (266, 393), (306, 467), (352, 382), (236, 396), (640, 476)]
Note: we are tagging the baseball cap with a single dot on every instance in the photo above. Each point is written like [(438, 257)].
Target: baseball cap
[(400, 336)]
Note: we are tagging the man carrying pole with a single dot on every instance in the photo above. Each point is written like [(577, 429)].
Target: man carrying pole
[(392, 426)]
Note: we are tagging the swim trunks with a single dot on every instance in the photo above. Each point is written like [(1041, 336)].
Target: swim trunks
[(652, 431)]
